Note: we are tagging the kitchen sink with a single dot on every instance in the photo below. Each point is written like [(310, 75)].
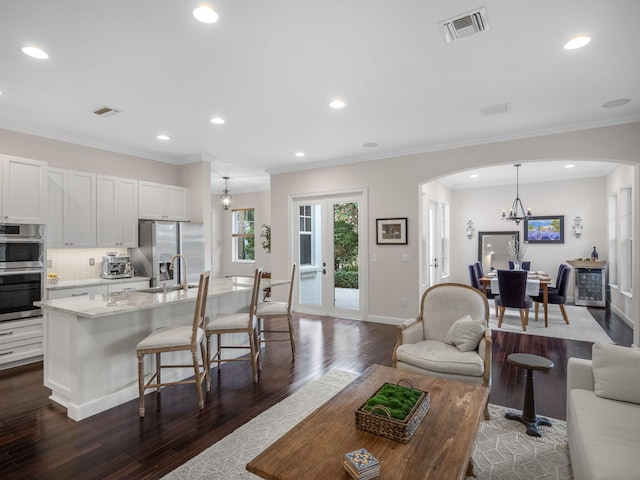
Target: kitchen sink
[(171, 288)]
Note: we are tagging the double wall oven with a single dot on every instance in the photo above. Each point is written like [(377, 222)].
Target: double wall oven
[(22, 270)]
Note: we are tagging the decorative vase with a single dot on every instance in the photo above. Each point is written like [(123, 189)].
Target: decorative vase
[(516, 265)]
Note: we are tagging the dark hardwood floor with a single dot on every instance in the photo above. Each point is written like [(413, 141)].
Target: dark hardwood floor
[(38, 441)]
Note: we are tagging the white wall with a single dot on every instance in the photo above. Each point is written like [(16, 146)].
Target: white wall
[(394, 190), (585, 198)]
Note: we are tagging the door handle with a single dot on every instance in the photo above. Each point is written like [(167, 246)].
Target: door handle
[(435, 263)]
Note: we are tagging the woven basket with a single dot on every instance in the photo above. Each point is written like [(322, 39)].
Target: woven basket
[(389, 427)]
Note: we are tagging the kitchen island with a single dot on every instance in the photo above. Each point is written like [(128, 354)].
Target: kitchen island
[(90, 361)]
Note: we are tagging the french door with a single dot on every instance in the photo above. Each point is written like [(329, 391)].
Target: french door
[(329, 241), (435, 257)]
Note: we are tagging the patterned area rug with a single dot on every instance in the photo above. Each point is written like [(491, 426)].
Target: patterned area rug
[(502, 451), (582, 325)]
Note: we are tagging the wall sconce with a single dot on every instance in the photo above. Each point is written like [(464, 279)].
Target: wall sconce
[(470, 229), (577, 227)]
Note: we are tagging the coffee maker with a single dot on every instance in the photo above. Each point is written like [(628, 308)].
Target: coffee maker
[(116, 266)]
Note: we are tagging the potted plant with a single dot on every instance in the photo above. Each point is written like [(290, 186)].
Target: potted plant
[(266, 234)]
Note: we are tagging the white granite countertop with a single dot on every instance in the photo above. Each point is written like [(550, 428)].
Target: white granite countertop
[(63, 284), (94, 306)]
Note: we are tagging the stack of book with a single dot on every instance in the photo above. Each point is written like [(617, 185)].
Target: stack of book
[(361, 464)]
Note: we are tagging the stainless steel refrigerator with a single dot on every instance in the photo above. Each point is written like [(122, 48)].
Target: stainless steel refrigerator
[(159, 242), (191, 246)]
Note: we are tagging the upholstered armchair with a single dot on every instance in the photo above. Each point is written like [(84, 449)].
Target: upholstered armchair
[(450, 338)]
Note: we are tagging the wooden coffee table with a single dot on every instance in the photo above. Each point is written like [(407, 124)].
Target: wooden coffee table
[(440, 448)]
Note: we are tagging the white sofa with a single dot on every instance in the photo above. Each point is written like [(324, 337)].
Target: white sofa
[(603, 414)]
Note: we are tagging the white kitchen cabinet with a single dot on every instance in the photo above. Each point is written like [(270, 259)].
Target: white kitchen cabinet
[(126, 287), (103, 287), (117, 212), (72, 209), (24, 190), (21, 341), (99, 289), (163, 202)]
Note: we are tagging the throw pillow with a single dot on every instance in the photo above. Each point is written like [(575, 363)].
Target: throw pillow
[(448, 339), (616, 372), (465, 334)]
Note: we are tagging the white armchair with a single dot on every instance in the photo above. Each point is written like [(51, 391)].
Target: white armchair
[(430, 344)]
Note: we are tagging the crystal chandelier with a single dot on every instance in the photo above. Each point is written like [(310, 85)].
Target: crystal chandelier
[(225, 198), (517, 213)]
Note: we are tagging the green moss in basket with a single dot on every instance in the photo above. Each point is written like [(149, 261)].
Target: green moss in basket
[(398, 399)]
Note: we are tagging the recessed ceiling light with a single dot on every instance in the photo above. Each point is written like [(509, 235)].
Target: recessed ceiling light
[(218, 120), (474, 175), (616, 103), (370, 145), (163, 137), (577, 42), (35, 52), (205, 14), (337, 104), (300, 154), (570, 165)]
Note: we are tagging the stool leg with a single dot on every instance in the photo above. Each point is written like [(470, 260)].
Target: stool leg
[(528, 417), (141, 383)]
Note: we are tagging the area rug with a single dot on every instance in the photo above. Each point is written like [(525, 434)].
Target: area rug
[(502, 450), (582, 325)]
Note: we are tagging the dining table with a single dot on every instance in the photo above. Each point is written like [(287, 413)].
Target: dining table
[(536, 281)]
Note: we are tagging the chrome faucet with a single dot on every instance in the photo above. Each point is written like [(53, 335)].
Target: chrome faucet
[(183, 284)]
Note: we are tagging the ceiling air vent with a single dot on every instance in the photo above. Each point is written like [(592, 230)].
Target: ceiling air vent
[(464, 26), (495, 109), (106, 112)]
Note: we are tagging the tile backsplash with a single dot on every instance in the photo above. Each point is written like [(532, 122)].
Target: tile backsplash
[(74, 263)]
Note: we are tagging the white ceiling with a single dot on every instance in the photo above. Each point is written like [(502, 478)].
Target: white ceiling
[(271, 67), (534, 172)]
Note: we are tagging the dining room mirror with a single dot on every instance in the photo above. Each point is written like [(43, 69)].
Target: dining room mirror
[(493, 251)]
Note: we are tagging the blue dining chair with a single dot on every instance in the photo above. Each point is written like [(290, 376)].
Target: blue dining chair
[(475, 274), (513, 294), (526, 265), (556, 297)]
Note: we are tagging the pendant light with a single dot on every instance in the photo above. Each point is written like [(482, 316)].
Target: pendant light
[(517, 213), (225, 198)]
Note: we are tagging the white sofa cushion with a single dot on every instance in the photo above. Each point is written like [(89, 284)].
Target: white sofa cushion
[(439, 357), (616, 372), (604, 437)]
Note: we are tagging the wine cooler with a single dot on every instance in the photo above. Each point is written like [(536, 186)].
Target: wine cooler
[(590, 286)]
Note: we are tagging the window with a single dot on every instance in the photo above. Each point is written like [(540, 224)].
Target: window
[(625, 249), (243, 235), (613, 241), (306, 230)]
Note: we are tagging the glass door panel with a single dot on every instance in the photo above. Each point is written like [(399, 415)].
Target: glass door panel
[(346, 256)]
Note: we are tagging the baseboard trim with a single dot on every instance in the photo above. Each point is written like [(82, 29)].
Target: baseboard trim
[(386, 320)]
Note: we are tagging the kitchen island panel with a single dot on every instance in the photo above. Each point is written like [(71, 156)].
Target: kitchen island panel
[(90, 361)]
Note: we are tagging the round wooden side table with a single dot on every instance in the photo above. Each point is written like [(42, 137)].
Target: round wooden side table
[(528, 417)]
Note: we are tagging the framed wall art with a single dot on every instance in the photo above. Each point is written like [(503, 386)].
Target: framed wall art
[(391, 231), (548, 229)]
